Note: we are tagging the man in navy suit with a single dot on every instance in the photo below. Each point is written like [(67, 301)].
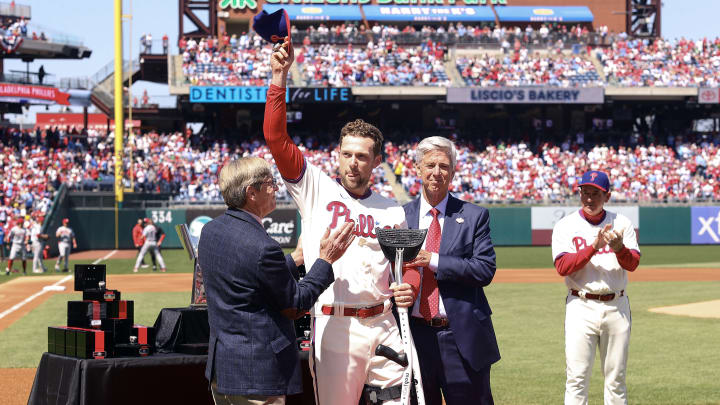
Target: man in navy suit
[(252, 292), (450, 319)]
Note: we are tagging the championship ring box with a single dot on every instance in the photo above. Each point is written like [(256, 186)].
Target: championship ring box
[(121, 309), (131, 350), (101, 294), (56, 340), (86, 314), (119, 327), (92, 343), (88, 276), (145, 335)]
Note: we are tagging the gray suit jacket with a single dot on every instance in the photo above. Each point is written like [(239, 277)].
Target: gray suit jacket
[(248, 281)]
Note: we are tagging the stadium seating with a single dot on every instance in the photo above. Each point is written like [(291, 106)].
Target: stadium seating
[(384, 63), (524, 68), (662, 63), (514, 174)]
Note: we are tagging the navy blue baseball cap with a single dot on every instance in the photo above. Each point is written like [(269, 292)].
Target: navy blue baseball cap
[(597, 179), (272, 27)]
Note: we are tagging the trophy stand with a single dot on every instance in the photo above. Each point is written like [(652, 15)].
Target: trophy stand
[(403, 245), (190, 244)]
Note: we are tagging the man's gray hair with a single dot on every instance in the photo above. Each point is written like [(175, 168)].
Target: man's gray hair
[(237, 175), (436, 143)]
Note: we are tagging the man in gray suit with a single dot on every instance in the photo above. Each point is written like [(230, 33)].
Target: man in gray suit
[(252, 292)]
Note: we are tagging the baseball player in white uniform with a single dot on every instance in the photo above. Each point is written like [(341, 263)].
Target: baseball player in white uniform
[(38, 244), (594, 249), (353, 315), (151, 244), (65, 236), (19, 238)]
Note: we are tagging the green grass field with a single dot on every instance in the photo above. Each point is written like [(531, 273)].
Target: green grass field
[(507, 258), (673, 359)]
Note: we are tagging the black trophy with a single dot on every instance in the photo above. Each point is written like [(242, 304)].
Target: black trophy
[(403, 245)]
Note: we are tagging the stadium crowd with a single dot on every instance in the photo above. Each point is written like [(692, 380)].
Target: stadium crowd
[(242, 60), (526, 68), (508, 173), (662, 63), (351, 55), (36, 162), (381, 63)]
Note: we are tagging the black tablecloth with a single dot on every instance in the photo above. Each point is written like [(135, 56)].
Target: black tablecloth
[(157, 379)]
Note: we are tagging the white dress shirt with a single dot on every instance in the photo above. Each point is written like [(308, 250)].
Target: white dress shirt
[(425, 219)]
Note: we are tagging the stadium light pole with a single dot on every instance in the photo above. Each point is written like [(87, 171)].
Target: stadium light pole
[(118, 76)]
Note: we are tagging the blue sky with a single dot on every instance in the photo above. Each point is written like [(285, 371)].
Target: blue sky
[(92, 22)]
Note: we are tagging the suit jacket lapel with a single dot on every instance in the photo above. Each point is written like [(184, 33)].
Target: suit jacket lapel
[(450, 226), (413, 214)]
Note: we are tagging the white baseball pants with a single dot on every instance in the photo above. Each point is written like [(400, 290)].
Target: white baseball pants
[(153, 248), (343, 359), (591, 324), (37, 250), (64, 248), (17, 251)]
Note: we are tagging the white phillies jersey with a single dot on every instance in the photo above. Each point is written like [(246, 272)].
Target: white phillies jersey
[(64, 234), (362, 273), (602, 274), (17, 235), (150, 233), (35, 230)]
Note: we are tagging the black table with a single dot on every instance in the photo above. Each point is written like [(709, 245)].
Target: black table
[(158, 379)]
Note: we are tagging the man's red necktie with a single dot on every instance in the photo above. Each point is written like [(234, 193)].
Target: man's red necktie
[(429, 296)]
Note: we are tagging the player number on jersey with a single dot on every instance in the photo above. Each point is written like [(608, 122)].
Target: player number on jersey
[(160, 217)]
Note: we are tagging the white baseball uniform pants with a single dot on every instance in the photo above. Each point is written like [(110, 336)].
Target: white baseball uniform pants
[(591, 324), (37, 250), (64, 249), (343, 359), (17, 251), (153, 248)]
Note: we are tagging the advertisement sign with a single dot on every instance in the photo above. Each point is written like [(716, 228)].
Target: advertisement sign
[(425, 13), (224, 3), (238, 4), (228, 94), (320, 95), (69, 120), (282, 224), (32, 94), (525, 95), (543, 220), (705, 228), (707, 95)]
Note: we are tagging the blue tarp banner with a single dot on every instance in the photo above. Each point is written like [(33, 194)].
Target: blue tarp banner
[(705, 226), (549, 14), (428, 13), (317, 12)]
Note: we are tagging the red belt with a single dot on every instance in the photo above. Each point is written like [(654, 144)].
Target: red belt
[(365, 312), (598, 297), (434, 322)]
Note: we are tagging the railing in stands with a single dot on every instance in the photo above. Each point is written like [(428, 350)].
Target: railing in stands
[(15, 10)]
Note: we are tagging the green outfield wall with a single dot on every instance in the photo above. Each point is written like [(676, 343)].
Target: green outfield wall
[(509, 226)]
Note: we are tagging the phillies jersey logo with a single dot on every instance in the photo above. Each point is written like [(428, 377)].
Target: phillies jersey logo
[(364, 226), (581, 244)]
